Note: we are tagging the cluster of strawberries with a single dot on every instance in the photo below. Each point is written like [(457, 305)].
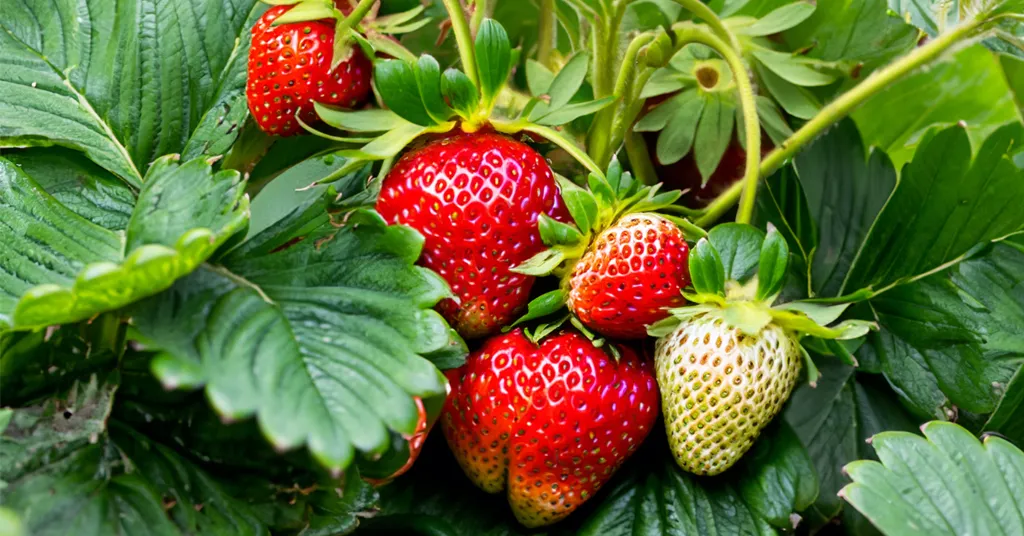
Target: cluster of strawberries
[(548, 415)]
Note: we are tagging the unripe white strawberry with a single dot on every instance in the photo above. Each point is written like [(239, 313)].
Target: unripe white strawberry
[(720, 387)]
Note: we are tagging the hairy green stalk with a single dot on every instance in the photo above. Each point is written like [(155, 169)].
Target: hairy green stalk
[(464, 40)]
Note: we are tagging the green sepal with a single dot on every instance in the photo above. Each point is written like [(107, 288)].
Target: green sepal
[(542, 263), (462, 95), (397, 84), (582, 204), (568, 81), (772, 265), (822, 314), (493, 60), (778, 20), (372, 120), (428, 80), (571, 112), (540, 331), (556, 233), (306, 11), (748, 317), (382, 44), (538, 77), (813, 374), (706, 271), (798, 322), (541, 306)]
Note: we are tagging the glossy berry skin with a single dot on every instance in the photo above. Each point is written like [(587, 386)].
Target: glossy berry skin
[(549, 424), (289, 69), (476, 199), (632, 272), (720, 388)]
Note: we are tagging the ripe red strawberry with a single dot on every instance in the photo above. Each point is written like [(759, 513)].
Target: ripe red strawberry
[(289, 68), (632, 272), (549, 423), (475, 198)]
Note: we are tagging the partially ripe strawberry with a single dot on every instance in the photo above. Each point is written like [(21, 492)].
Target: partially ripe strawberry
[(720, 387), (290, 68), (632, 272), (475, 198), (550, 424)]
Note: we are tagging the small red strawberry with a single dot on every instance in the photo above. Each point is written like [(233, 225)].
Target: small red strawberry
[(550, 424), (423, 425), (632, 272), (290, 68), (476, 199)]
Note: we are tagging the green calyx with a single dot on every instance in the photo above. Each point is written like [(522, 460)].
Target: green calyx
[(352, 30), (421, 99), (749, 305), (593, 209)]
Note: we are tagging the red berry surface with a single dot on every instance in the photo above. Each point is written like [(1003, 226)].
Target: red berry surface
[(549, 424), (632, 272), (475, 198), (290, 68)]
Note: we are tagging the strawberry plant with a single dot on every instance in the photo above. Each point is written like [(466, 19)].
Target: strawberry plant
[(319, 267)]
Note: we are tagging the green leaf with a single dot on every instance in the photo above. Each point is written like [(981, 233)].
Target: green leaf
[(397, 84), (462, 95), (857, 30), (78, 184), (373, 120), (781, 202), (554, 232), (740, 248), (654, 496), (793, 69), (844, 192), (779, 20), (543, 305), (714, 133), (565, 114), (345, 301), (932, 16), (833, 419), (772, 265), (949, 340), (538, 77), (493, 60), (121, 81), (677, 137), (568, 80), (771, 121), (289, 194), (428, 79), (1008, 417), (947, 482), (85, 272), (706, 271), (967, 86), (957, 204)]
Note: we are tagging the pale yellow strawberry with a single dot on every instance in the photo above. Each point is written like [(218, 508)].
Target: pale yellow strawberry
[(720, 387)]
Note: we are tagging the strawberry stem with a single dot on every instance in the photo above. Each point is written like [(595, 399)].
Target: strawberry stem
[(480, 10), (704, 13), (464, 39), (546, 32), (841, 107)]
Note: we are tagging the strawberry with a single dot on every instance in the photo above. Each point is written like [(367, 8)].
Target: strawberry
[(720, 387), (727, 363), (476, 199), (632, 272), (290, 68), (549, 423)]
